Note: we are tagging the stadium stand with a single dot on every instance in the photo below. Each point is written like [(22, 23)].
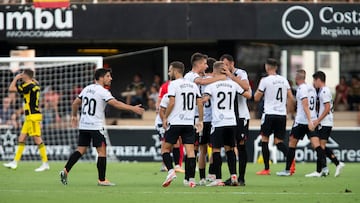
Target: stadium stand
[(183, 1)]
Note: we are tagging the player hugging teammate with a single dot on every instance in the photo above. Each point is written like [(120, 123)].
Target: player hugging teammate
[(226, 125), (223, 109)]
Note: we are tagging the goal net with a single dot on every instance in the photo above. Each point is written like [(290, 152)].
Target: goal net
[(61, 80)]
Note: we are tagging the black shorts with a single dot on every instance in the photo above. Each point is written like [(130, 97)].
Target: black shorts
[(274, 124), (205, 138), (298, 131), (224, 136), (242, 129), (96, 136), (187, 133), (323, 132)]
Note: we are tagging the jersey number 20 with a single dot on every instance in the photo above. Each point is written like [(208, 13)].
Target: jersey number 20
[(89, 106)]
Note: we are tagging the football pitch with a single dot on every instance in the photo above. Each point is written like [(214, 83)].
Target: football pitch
[(141, 182)]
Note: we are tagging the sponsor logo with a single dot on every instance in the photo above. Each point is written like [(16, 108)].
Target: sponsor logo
[(297, 33), (333, 22), (37, 23)]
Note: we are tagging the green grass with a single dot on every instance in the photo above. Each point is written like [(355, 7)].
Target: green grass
[(141, 182)]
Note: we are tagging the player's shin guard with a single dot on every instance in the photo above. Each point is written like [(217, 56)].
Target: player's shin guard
[(19, 152), (191, 162), (101, 166), (217, 162), (331, 156), (321, 159), (231, 160), (72, 160), (266, 154), (167, 160), (242, 161), (176, 155), (282, 147), (290, 158), (42, 151)]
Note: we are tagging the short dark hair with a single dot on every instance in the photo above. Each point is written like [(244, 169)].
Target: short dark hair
[(319, 75), (196, 57), (227, 57), (29, 72), (101, 73), (210, 62), (301, 74), (179, 66), (272, 62)]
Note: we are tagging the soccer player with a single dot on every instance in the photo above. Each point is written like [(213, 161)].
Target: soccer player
[(177, 150), (204, 137), (222, 95), (30, 91), (179, 120), (199, 65), (242, 114), (324, 122), (276, 91), (92, 100), (303, 124)]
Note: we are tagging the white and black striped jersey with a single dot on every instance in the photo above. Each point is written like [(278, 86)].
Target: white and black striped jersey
[(275, 89), (94, 98), (223, 94), (185, 93), (305, 91)]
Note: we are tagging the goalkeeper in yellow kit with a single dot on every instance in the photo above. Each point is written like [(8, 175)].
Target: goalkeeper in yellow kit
[(30, 91)]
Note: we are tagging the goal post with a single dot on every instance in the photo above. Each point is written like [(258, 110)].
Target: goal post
[(61, 79)]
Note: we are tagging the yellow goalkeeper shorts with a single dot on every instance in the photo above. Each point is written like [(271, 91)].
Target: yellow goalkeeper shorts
[(32, 125)]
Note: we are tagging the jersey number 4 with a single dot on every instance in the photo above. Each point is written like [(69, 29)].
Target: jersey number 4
[(89, 106), (279, 95)]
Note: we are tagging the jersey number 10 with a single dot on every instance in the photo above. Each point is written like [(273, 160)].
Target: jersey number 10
[(188, 101)]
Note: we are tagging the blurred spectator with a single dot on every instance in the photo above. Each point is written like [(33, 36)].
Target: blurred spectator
[(153, 96), (341, 96), (8, 113), (157, 81), (136, 91), (51, 106), (354, 93)]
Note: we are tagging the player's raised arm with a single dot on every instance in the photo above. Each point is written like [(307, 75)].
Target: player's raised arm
[(122, 106), (243, 83), (12, 87), (206, 81)]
